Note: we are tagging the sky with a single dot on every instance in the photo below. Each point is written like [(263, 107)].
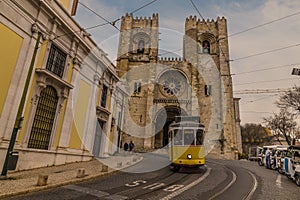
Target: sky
[(279, 33)]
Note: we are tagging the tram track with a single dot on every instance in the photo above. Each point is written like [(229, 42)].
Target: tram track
[(235, 173), (226, 188), (194, 183), (255, 184), (170, 180)]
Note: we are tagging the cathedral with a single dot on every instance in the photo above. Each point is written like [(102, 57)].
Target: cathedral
[(198, 84)]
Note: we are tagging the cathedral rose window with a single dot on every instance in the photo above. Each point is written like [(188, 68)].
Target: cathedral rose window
[(172, 83), (172, 86)]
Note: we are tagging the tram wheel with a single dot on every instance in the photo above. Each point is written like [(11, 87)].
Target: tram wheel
[(176, 168), (297, 179)]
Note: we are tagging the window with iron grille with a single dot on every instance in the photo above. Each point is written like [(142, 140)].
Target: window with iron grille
[(104, 96), (56, 61), (43, 119)]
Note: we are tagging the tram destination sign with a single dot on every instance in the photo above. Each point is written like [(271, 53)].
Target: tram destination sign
[(187, 118)]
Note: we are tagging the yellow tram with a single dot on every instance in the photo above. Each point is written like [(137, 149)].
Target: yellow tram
[(186, 136)]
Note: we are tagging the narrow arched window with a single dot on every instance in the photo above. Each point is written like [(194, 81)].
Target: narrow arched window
[(141, 46), (43, 119), (206, 47)]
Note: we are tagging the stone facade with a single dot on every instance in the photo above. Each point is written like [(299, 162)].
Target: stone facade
[(200, 84)]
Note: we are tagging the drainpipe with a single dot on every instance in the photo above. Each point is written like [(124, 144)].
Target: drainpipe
[(19, 118)]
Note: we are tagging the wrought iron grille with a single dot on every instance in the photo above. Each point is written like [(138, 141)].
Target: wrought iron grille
[(43, 119), (56, 61)]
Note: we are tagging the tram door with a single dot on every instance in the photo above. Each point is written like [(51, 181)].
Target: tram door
[(165, 136)]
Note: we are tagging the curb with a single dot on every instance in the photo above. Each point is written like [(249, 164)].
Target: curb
[(74, 181)]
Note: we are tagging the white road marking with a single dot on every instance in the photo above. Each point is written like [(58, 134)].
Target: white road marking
[(226, 188), (174, 194), (154, 186), (173, 188), (93, 192), (249, 196), (278, 181), (89, 191), (135, 183)]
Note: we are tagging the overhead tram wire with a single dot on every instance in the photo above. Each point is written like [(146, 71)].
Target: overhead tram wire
[(113, 23), (285, 79), (262, 91), (264, 24), (246, 30), (108, 22), (198, 12), (266, 52), (266, 69), (207, 26), (258, 112), (99, 25), (259, 99), (142, 6)]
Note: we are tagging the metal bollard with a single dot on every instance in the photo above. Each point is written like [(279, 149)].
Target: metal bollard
[(119, 164), (80, 173), (104, 168), (42, 180)]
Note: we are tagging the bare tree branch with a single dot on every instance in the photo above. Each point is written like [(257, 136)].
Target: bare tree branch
[(290, 99), (282, 124)]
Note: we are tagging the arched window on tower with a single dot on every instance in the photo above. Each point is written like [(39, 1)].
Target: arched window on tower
[(205, 47), (141, 46)]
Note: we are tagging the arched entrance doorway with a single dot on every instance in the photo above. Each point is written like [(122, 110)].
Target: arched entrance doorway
[(166, 116)]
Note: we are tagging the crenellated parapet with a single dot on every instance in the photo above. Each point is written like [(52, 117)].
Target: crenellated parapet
[(129, 22), (173, 61), (170, 59), (210, 25)]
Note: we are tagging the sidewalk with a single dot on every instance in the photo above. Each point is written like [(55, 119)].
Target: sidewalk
[(26, 181)]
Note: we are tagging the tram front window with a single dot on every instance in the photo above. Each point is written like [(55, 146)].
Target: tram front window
[(188, 137), (199, 137), (178, 137)]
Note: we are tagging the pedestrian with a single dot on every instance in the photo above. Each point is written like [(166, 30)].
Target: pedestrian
[(131, 146), (125, 146), (268, 158)]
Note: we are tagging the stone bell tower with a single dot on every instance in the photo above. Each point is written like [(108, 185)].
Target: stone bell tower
[(138, 42), (138, 51), (206, 47)]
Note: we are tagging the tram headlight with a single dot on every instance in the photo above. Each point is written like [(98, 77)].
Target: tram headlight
[(189, 156)]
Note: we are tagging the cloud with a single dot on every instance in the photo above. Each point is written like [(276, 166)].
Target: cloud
[(240, 16)]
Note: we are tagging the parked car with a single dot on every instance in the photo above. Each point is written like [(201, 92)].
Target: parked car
[(278, 158), (292, 164), (262, 154), (254, 153)]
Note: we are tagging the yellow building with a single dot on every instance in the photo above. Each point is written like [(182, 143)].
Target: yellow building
[(56, 78)]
